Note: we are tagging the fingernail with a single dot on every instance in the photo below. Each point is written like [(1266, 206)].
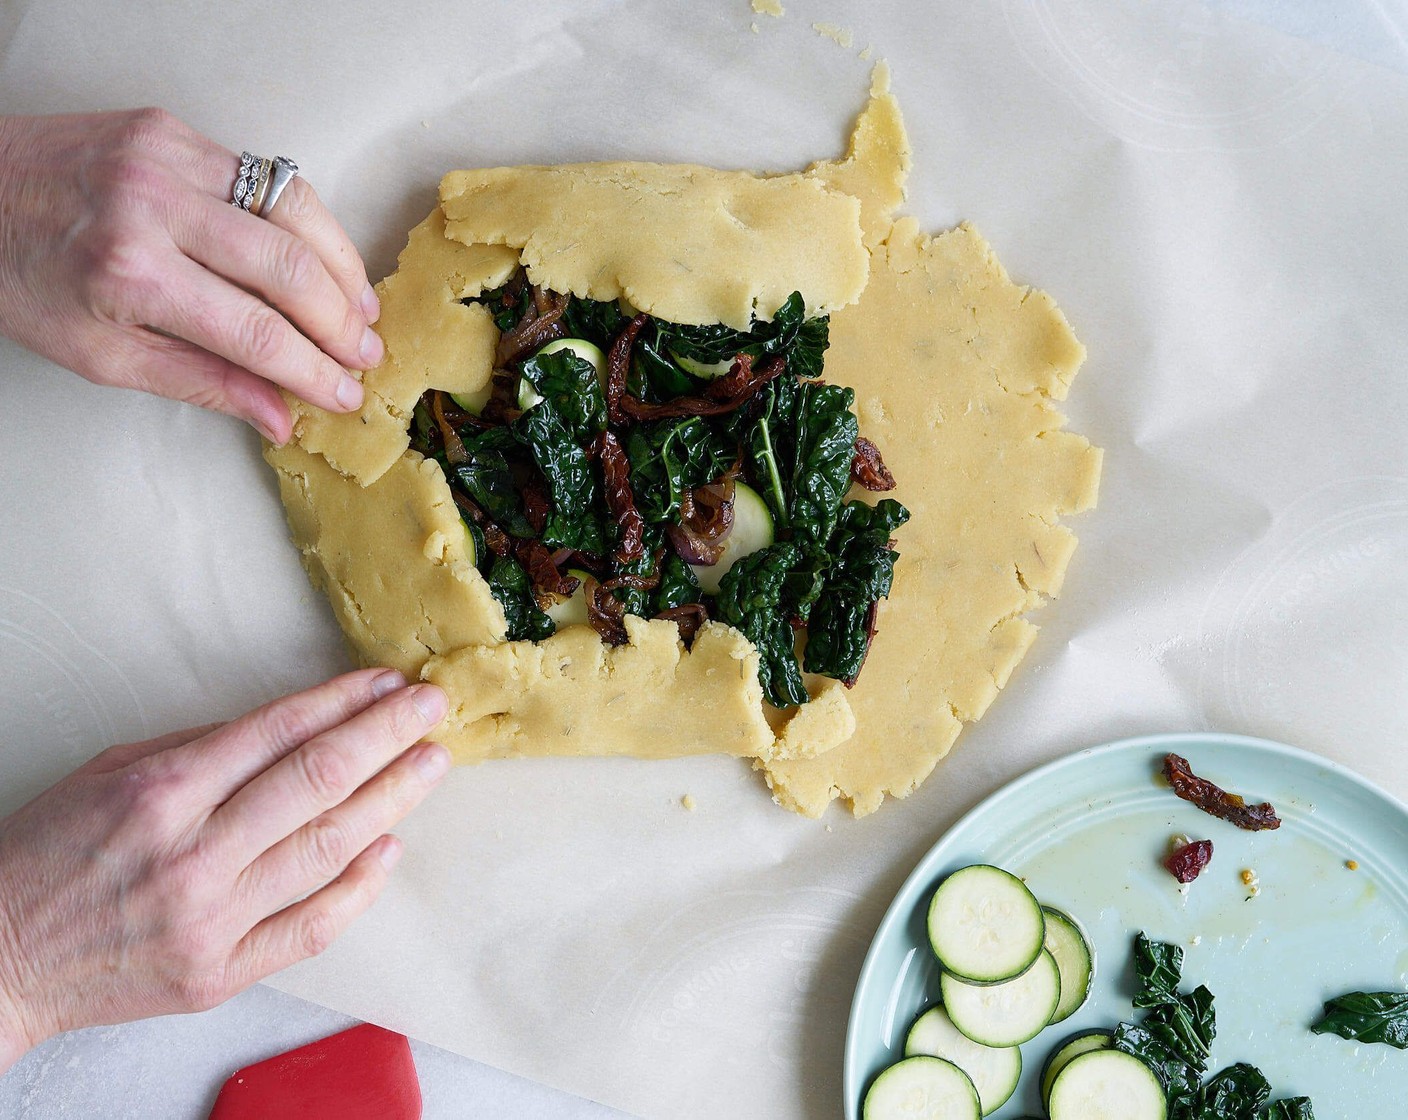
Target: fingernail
[(267, 432), (390, 854), (349, 393), (372, 349), (386, 684), (433, 762), (371, 306), (430, 702)]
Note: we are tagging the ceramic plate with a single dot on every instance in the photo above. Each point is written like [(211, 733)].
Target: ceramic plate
[(1088, 832)]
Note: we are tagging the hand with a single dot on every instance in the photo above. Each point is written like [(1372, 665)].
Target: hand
[(121, 258), (160, 876)]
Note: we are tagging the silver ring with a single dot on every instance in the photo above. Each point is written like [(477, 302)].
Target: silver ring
[(260, 182)]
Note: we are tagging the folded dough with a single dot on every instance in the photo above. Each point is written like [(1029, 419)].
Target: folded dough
[(955, 369)]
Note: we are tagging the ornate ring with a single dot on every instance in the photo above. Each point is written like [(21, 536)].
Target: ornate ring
[(260, 182)]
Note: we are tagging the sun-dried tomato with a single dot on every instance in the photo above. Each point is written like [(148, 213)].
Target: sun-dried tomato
[(1216, 801), (1187, 861), (618, 368), (616, 470), (868, 469)]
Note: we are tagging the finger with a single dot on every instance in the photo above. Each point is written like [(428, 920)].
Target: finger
[(124, 754), (323, 772), (214, 168), (299, 211), (172, 367), (322, 847), (284, 269), (248, 746), (200, 307), (308, 927)]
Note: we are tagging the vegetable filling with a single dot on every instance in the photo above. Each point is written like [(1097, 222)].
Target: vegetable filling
[(667, 471)]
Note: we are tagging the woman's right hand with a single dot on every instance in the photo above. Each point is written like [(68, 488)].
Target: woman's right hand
[(169, 875), (121, 258)]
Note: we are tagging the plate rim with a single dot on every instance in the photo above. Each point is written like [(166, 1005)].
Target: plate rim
[(849, 1077)]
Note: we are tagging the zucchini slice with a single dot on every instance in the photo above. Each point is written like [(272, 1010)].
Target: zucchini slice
[(1005, 1014), (1073, 1047), (921, 1088), (1107, 1085), (993, 1070), (752, 530), (572, 609), (984, 925), (1075, 958)]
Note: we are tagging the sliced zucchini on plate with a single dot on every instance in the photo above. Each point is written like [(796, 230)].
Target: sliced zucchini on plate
[(1075, 959), (1005, 1014), (921, 1088), (1073, 1047), (1107, 1085), (994, 1071), (985, 926)]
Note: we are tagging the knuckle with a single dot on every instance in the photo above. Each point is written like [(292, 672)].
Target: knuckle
[(154, 797), (325, 772), (285, 723), (264, 337), (145, 128), (294, 266), (316, 932), (327, 847), (301, 203), (201, 990)]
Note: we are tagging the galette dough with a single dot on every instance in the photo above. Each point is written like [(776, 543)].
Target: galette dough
[(954, 369), (378, 529), (683, 243)]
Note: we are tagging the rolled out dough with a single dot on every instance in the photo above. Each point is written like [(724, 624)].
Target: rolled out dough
[(955, 370)]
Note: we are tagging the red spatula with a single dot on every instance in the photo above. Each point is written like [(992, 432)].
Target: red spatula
[(365, 1073)]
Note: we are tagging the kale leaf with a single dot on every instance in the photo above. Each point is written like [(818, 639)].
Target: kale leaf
[(767, 432), (598, 321), (788, 332), (487, 478), (571, 383), (1290, 1108), (509, 584), (1176, 1075), (823, 448), (655, 374), (1238, 1092), (678, 584), (1367, 1017), (753, 600), (860, 573), (574, 493), (505, 308), (669, 457), (1158, 967)]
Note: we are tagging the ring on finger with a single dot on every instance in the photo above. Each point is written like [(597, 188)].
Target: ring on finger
[(260, 181)]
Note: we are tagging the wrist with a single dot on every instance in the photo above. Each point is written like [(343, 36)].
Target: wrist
[(15, 1040)]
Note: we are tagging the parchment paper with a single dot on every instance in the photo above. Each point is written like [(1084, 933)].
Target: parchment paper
[(1217, 206)]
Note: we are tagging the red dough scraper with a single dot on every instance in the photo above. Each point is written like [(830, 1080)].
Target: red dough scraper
[(365, 1073)]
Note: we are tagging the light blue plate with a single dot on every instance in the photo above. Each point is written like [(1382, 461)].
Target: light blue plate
[(1088, 832)]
